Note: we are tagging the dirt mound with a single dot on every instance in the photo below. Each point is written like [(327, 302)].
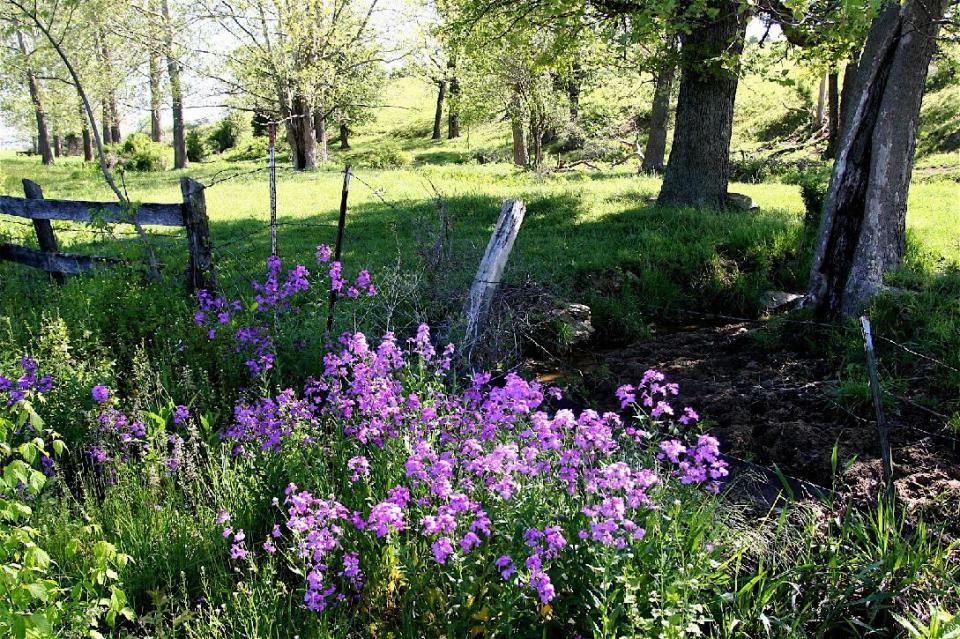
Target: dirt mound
[(775, 409)]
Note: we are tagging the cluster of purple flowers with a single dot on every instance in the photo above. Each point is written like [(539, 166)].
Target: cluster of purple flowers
[(470, 459), (16, 390), (363, 282), (254, 341), (696, 464), (121, 437)]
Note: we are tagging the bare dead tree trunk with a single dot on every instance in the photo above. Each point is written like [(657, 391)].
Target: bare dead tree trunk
[(863, 230), (438, 114), (180, 160), (43, 133), (344, 137), (156, 100), (699, 167), (656, 149), (320, 129)]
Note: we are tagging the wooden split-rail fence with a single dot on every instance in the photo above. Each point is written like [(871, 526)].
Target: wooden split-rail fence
[(191, 214)]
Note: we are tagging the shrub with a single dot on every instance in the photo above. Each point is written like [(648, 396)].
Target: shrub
[(139, 153), (197, 146), (813, 182), (387, 155), (253, 149), (230, 132)]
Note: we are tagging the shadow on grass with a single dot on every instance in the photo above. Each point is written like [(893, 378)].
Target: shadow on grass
[(629, 263)]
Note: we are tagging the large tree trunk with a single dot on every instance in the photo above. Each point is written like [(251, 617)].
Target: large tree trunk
[(847, 98), (821, 114), (438, 114), (105, 122), (520, 157), (320, 129), (573, 87), (85, 133), (156, 100), (833, 115), (863, 230), (111, 115), (300, 134), (655, 151), (453, 112), (43, 133), (180, 160), (698, 171), (344, 137)]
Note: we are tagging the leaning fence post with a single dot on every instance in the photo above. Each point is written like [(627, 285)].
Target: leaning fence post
[(200, 273), (491, 268), (45, 237), (338, 246), (883, 429)]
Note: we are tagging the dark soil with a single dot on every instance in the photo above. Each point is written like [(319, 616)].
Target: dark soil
[(774, 408)]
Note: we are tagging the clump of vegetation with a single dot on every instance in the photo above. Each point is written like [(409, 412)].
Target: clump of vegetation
[(139, 153), (385, 155)]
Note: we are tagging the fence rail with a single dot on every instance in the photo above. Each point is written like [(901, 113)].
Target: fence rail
[(190, 214)]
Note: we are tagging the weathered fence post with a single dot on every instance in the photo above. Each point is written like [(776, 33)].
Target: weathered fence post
[(338, 246), (272, 165), (45, 237), (883, 429), (491, 268), (200, 273)]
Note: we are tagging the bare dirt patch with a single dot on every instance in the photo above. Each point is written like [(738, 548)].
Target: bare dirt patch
[(774, 408)]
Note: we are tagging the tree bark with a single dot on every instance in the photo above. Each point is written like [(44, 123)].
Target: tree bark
[(300, 134), (320, 129), (156, 100), (698, 171), (57, 145), (180, 160), (115, 135), (655, 151), (85, 133), (821, 113), (573, 91), (453, 112), (863, 229), (520, 157), (344, 137), (111, 116), (833, 115), (438, 114), (43, 133), (105, 122)]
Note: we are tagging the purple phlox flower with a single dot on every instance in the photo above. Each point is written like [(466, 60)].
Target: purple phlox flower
[(100, 394)]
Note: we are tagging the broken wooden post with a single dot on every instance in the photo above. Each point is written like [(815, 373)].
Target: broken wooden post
[(200, 273), (491, 268), (45, 237), (883, 430)]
